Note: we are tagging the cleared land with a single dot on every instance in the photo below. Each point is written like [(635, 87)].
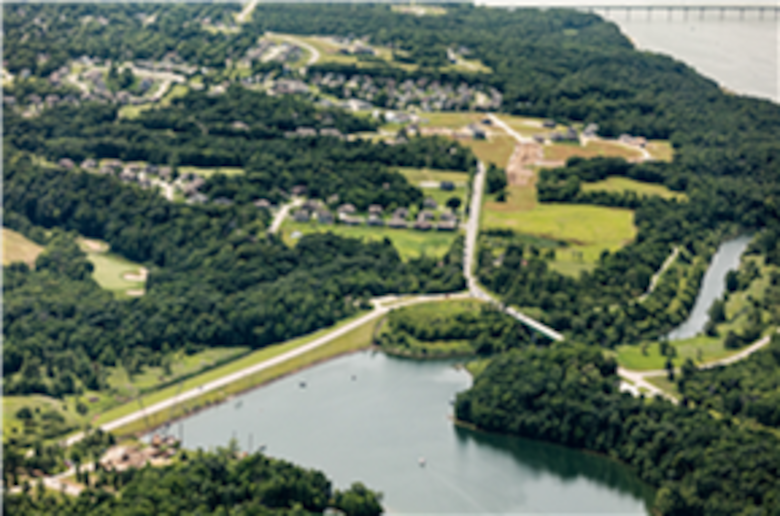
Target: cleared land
[(208, 172), (450, 120), (496, 149), (421, 175), (590, 229), (624, 184), (593, 149), (529, 126), (660, 149), (409, 243), (17, 248)]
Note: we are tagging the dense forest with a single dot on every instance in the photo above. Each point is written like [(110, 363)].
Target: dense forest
[(568, 394), (200, 130), (215, 279), (204, 483), (747, 389)]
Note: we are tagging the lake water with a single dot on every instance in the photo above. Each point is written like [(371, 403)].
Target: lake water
[(739, 52), (370, 417), (712, 287)]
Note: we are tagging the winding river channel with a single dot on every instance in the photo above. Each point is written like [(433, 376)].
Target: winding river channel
[(370, 417)]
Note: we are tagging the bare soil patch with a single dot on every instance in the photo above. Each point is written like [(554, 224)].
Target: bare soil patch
[(519, 171)]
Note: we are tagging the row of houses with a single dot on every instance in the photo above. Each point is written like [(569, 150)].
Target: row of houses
[(428, 95), (346, 214)]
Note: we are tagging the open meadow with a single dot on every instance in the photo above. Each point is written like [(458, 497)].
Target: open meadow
[(17, 248)]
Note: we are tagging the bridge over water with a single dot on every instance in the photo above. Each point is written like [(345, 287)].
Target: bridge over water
[(756, 8)]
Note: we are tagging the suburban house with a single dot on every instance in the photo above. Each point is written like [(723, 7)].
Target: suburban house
[(447, 186), (351, 220), (375, 220), (347, 209), (422, 225), (401, 213), (302, 216), (426, 215), (324, 217), (447, 225), (298, 190), (430, 203), (88, 163), (375, 209), (66, 163), (262, 203), (397, 223)]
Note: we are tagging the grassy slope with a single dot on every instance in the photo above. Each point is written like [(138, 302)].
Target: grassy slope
[(356, 339), (624, 184), (660, 149), (17, 248)]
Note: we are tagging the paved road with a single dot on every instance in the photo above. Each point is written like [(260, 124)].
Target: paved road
[(379, 310), (511, 132), (282, 214), (640, 377), (243, 16), (314, 54), (470, 250)]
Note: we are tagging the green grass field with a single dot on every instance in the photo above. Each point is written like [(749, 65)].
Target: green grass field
[(17, 248), (593, 149), (528, 126), (418, 175), (449, 120), (660, 149), (496, 149), (409, 243), (110, 271), (590, 229), (624, 184), (706, 348), (39, 405)]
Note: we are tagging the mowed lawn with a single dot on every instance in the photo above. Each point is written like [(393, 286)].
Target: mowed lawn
[(110, 270), (624, 184), (17, 248), (409, 243)]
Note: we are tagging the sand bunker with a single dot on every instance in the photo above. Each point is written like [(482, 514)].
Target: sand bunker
[(139, 276)]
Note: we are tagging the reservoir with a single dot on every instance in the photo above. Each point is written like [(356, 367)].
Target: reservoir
[(738, 51), (374, 418), (712, 287)]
